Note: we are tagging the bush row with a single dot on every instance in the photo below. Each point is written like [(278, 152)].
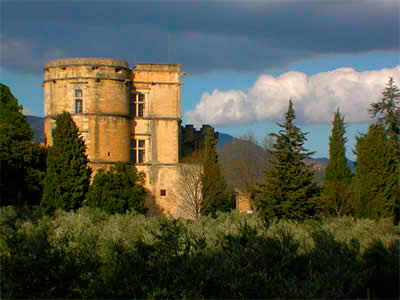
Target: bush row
[(90, 254)]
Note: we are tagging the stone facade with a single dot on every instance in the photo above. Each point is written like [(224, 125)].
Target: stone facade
[(243, 202), (125, 115)]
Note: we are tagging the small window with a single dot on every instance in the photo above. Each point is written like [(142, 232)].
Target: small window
[(141, 143), (78, 106), (137, 105), (78, 95), (163, 192), (138, 151), (141, 109)]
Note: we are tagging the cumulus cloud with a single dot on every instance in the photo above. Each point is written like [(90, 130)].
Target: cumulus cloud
[(315, 98)]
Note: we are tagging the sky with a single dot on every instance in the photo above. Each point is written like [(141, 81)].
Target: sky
[(243, 59)]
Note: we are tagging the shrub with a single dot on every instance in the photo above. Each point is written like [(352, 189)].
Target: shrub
[(92, 254), (117, 190)]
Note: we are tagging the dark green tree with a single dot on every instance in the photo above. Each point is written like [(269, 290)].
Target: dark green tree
[(13, 123), (387, 112), (337, 190), (288, 191), (376, 182), (117, 190), (22, 162), (216, 196), (68, 174)]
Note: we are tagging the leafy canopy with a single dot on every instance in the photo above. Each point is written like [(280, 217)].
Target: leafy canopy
[(13, 124), (22, 162), (117, 190)]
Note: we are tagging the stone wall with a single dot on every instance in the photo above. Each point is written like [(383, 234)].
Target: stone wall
[(104, 86)]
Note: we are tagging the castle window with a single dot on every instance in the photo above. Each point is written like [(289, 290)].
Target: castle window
[(137, 105), (138, 151), (78, 106), (78, 101), (163, 192)]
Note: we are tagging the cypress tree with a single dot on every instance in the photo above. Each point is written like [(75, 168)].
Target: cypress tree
[(214, 189), (68, 174), (337, 189), (376, 182), (288, 190)]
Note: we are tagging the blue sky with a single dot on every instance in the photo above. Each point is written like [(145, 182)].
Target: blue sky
[(244, 59)]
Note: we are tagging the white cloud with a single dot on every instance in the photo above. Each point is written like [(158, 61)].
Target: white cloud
[(28, 112), (315, 98)]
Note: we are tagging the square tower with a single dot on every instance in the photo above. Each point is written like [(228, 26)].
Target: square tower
[(155, 106), (156, 109)]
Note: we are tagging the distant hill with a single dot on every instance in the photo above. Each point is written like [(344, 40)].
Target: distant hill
[(223, 139), (37, 124), (350, 163), (319, 164)]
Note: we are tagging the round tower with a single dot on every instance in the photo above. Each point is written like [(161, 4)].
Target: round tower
[(96, 91)]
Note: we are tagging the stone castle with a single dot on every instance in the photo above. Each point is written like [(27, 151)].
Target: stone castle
[(124, 115)]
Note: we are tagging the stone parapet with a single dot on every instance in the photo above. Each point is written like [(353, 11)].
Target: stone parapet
[(86, 61)]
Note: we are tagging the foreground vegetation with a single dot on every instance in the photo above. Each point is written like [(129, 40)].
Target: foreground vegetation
[(91, 254)]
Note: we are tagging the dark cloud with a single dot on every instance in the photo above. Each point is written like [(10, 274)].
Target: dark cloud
[(247, 35)]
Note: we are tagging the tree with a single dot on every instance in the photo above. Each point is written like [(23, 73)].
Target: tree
[(22, 162), (68, 174), (214, 189), (189, 186), (288, 190), (387, 111), (337, 191), (13, 123), (376, 182), (117, 190)]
